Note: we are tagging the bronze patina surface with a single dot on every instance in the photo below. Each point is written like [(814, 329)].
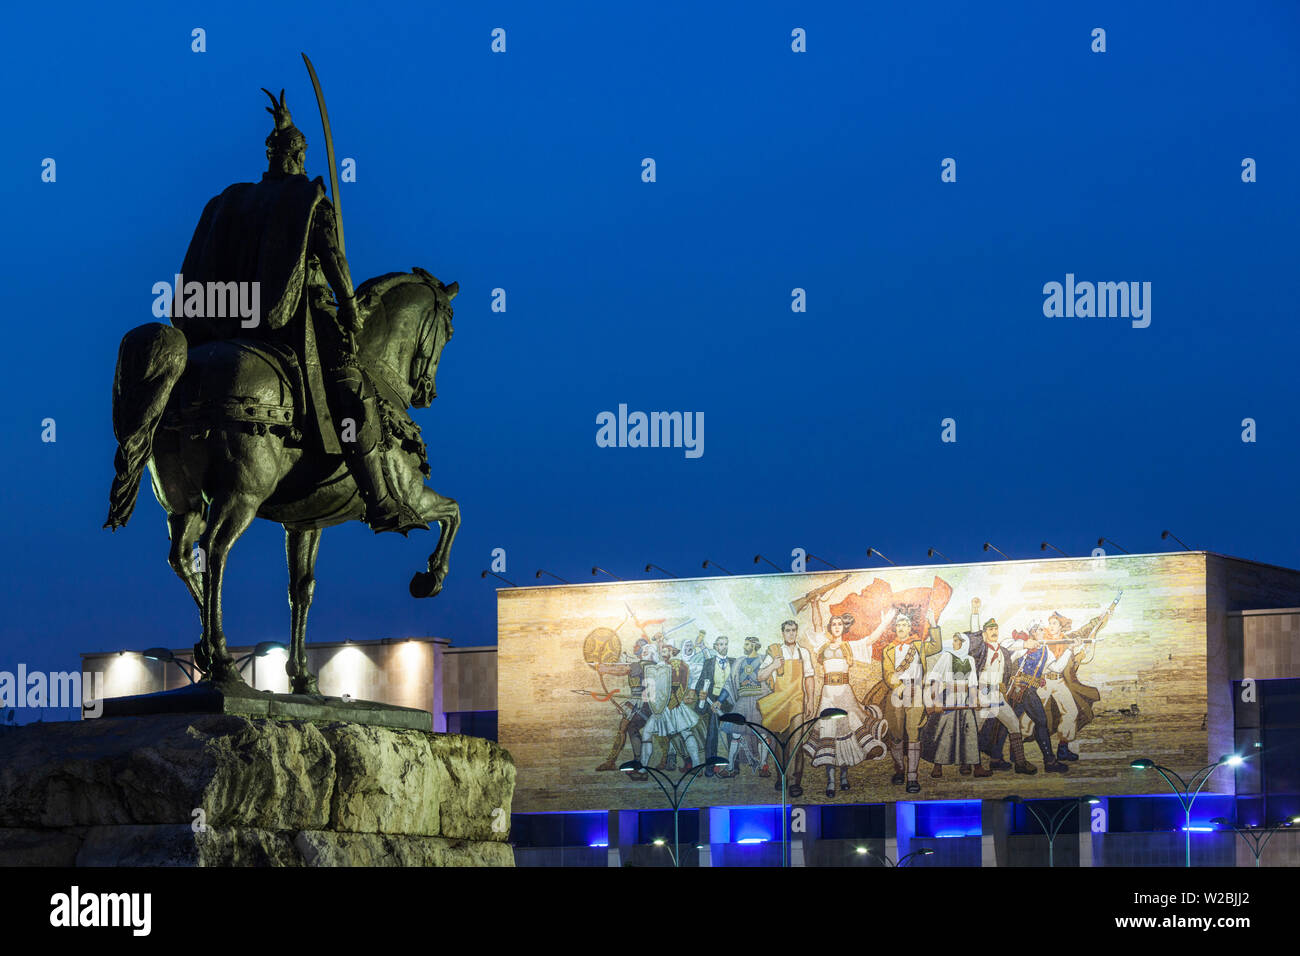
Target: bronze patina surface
[(294, 409)]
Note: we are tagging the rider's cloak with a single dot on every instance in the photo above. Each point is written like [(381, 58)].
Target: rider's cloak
[(259, 232)]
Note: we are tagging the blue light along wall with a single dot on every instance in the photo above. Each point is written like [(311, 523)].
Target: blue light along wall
[(755, 824), (1158, 812), (583, 828), (744, 825), (747, 826), (654, 825), (853, 821), (473, 723), (948, 818)]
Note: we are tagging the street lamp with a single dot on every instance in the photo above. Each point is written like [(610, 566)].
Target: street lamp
[(261, 650), (659, 841), (902, 860), (674, 798), (1256, 837), (1053, 827), (782, 762), (1186, 790), (165, 656)]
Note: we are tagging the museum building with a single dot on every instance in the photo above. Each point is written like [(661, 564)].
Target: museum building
[(1197, 658)]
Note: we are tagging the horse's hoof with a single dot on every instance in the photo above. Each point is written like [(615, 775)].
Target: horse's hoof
[(305, 685), (224, 671), (425, 584)]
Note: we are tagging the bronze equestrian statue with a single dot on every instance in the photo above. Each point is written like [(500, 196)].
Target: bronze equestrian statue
[(299, 416)]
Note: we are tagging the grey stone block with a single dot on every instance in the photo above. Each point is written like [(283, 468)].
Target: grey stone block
[(273, 792)]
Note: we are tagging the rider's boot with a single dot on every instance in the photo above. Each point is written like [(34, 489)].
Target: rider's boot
[(384, 512), (365, 457)]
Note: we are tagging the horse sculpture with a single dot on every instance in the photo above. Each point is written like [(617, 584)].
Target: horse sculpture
[(222, 429)]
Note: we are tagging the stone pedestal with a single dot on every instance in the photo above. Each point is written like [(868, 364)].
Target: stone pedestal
[(233, 790), (242, 700)]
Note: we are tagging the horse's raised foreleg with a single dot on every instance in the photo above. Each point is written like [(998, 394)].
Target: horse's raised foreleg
[(228, 517), (445, 511), (300, 549), (184, 531)]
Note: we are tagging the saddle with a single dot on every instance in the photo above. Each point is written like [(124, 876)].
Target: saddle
[(226, 383)]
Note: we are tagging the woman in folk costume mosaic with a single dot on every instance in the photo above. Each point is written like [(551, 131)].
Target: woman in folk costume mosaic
[(842, 741), (950, 734)]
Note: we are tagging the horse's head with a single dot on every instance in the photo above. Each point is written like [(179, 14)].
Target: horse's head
[(407, 325), (434, 333)]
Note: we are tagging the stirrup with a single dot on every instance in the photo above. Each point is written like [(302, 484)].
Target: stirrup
[(399, 518)]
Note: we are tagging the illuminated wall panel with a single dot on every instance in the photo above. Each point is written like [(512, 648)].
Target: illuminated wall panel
[(586, 669)]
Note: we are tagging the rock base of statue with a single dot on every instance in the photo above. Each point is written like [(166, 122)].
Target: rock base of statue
[(236, 790)]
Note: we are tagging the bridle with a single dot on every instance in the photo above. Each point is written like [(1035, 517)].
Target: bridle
[(429, 326), (389, 379)]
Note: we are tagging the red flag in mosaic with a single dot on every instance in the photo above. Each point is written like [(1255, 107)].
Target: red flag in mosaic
[(873, 601)]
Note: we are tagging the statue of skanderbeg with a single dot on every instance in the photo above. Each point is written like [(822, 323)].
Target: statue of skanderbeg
[(280, 232)]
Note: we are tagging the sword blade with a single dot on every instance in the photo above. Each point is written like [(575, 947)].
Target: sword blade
[(329, 154)]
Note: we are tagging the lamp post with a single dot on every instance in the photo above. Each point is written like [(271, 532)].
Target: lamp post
[(1170, 534), (1256, 837), (261, 650), (1186, 790), (1104, 540), (782, 761), (902, 860), (1053, 827), (163, 655), (674, 797), (659, 841)]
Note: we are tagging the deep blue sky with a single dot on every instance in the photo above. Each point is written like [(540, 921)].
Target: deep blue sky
[(775, 170)]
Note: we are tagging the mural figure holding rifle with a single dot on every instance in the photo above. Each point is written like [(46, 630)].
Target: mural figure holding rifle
[(1067, 701)]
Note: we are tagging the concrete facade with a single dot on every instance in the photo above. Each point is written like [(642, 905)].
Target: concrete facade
[(422, 672)]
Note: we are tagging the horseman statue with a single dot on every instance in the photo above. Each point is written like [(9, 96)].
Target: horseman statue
[(282, 233), (296, 413)]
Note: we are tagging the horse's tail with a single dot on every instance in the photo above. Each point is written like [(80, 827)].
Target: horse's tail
[(149, 363)]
